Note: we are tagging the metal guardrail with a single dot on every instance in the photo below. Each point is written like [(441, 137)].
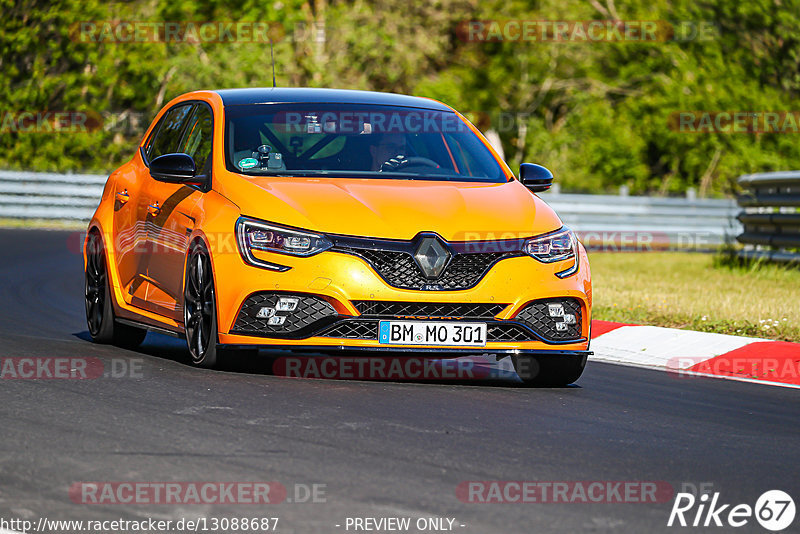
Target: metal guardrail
[(670, 222), (616, 220), (771, 216), (41, 195)]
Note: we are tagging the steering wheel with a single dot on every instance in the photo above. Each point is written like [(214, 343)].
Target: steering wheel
[(400, 162)]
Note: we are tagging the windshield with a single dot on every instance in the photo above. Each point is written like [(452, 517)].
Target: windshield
[(355, 140)]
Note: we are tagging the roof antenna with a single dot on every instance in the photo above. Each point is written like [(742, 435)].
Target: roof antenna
[(272, 54)]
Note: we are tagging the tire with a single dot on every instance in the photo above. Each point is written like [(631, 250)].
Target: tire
[(549, 370), (200, 308), (100, 318)]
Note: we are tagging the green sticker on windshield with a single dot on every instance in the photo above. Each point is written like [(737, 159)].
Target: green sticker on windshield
[(247, 163)]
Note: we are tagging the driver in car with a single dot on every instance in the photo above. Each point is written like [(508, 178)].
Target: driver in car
[(389, 152)]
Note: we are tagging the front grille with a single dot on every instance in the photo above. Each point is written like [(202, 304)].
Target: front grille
[(353, 329), (508, 332), (400, 270), (466, 270), (427, 309), (366, 329), (311, 312), (536, 315)]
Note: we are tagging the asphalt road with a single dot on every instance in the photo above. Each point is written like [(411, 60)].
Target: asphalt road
[(381, 449)]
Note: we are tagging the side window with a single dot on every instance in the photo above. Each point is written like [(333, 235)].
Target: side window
[(148, 146), (169, 133), (197, 141)]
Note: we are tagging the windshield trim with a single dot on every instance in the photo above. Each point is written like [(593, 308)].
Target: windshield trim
[(373, 175)]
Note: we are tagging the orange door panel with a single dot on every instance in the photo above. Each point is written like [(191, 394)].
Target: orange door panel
[(167, 208), (129, 233)]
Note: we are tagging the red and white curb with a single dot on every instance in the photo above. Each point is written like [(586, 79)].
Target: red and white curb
[(690, 354)]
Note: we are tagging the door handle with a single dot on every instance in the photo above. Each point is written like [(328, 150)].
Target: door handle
[(123, 196), (153, 209)]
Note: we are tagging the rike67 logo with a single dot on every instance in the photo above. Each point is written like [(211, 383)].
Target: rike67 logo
[(774, 510)]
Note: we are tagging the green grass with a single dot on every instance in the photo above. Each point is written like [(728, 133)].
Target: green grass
[(697, 292)]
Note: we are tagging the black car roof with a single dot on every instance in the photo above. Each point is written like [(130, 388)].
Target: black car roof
[(276, 95)]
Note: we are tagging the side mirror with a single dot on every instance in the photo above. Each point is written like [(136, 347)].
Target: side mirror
[(535, 177), (173, 168)]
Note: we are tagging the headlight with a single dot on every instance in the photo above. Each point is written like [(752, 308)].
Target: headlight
[(556, 246), (256, 235)]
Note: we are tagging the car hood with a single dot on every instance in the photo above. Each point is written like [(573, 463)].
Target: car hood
[(395, 209)]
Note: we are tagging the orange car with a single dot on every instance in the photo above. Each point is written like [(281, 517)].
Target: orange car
[(325, 220)]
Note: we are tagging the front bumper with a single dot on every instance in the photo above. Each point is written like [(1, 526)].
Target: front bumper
[(342, 280), (432, 352)]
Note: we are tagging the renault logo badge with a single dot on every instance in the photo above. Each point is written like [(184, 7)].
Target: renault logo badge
[(432, 257)]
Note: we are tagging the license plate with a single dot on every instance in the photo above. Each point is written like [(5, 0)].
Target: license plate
[(432, 333)]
